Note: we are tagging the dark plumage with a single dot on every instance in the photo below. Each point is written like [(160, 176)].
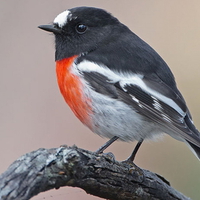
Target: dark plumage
[(114, 64)]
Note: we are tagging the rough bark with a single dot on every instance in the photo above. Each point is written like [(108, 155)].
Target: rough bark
[(99, 175)]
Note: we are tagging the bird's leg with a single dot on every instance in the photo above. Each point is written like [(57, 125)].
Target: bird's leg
[(132, 156), (107, 144)]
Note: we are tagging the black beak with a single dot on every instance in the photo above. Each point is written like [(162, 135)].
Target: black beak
[(50, 28)]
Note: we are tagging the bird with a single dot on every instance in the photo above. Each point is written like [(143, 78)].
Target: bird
[(115, 83)]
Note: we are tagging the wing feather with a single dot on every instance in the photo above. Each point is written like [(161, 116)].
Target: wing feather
[(157, 101)]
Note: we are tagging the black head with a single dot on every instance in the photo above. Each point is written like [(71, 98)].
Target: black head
[(80, 30)]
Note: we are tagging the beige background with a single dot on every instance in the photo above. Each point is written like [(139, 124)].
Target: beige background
[(33, 114)]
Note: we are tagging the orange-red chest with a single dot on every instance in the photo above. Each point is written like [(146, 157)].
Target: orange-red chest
[(71, 89)]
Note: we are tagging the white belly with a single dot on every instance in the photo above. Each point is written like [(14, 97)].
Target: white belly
[(112, 117)]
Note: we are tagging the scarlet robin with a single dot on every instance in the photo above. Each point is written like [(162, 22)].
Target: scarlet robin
[(115, 83)]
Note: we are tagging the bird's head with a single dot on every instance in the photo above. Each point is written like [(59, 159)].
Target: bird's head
[(80, 30)]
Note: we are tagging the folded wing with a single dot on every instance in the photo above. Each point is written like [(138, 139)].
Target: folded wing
[(151, 97)]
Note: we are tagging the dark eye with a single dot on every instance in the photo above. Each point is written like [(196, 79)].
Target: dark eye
[(81, 28)]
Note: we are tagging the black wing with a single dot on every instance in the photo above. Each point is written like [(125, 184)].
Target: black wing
[(174, 117)]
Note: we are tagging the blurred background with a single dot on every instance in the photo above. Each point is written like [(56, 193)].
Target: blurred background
[(33, 113)]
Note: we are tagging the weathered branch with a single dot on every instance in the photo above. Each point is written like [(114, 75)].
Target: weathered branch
[(99, 175)]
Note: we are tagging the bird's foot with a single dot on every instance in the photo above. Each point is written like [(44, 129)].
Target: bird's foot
[(133, 168)]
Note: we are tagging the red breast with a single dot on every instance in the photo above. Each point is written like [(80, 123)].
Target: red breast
[(71, 89)]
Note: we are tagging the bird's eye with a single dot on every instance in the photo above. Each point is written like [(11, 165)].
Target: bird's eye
[(81, 28)]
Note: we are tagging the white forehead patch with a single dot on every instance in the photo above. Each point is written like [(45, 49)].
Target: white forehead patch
[(61, 19)]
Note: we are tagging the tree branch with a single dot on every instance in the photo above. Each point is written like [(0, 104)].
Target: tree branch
[(99, 175)]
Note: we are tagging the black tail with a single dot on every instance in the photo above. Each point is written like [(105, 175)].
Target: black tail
[(195, 149)]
